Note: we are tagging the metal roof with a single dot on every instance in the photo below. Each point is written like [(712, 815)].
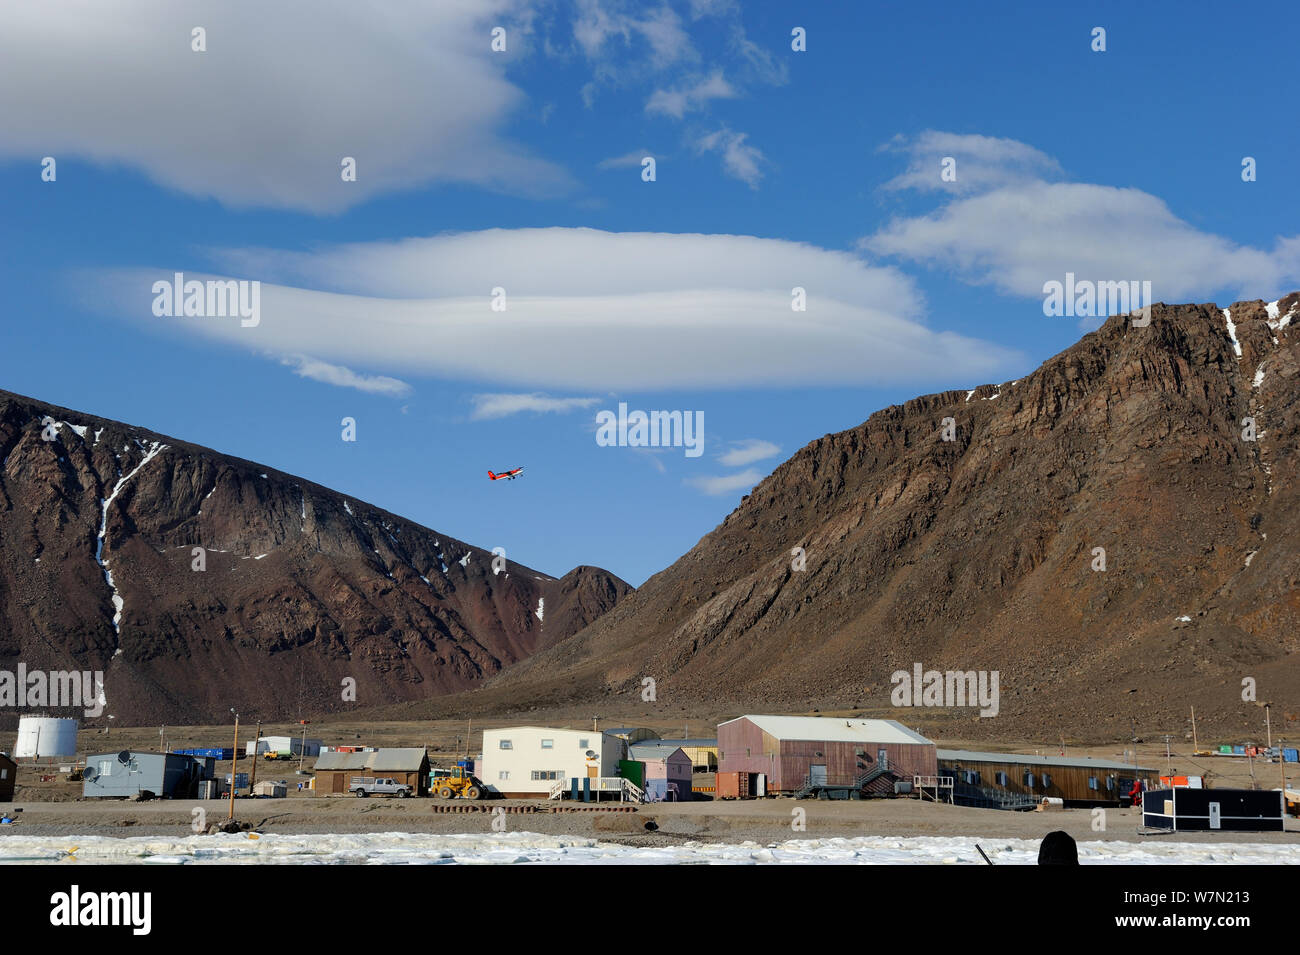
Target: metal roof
[(381, 761), (342, 761), (1084, 762), (651, 749), (698, 742), (834, 729), (396, 760)]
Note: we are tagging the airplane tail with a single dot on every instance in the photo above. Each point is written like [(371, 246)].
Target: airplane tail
[(491, 475)]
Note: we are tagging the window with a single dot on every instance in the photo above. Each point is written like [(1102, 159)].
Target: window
[(506, 744), (584, 744), (504, 774), (1047, 780), (547, 774), (4, 773), (1029, 780), (1092, 782), (1001, 778), (548, 744)]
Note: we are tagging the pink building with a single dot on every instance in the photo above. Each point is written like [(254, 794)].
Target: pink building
[(793, 751)]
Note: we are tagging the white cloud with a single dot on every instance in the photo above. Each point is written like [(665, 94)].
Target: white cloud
[(502, 405), (738, 160), (678, 102), (283, 93), (626, 160), (726, 483), (747, 452), (618, 34), (1019, 231), (981, 162), (585, 310), (323, 371)]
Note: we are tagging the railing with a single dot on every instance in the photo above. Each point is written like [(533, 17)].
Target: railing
[(937, 783), (625, 788)]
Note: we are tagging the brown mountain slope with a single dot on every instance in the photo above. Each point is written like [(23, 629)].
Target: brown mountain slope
[(302, 587), (977, 554)]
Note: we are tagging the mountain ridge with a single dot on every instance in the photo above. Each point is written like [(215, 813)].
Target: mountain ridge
[(300, 586)]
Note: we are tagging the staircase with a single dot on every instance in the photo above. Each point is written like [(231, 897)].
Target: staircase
[(982, 797), (882, 768)]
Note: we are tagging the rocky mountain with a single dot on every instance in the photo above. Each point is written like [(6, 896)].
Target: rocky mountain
[(1103, 532), (197, 581)]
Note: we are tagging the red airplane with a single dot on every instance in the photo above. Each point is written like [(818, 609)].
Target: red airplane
[(509, 475)]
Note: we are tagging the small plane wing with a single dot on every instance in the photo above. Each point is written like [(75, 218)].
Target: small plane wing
[(508, 475)]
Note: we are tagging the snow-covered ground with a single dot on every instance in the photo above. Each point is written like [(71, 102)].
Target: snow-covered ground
[(512, 848)]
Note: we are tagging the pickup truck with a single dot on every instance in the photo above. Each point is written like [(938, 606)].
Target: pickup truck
[(366, 785)]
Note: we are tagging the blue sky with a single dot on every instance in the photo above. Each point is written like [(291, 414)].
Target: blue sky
[(522, 170)]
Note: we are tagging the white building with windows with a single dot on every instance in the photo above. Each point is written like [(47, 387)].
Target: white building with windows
[(528, 761)]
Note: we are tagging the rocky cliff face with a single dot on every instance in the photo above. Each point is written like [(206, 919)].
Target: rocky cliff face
[(298, 588), (984, 552)]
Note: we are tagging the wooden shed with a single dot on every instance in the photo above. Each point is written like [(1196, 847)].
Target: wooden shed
[(408, 766), (792, 751), (1015, 780)]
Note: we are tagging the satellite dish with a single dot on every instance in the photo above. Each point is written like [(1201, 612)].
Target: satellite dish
[(124, 756), (591, 754), (89, 774)]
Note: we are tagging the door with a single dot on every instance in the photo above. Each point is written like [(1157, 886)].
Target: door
[(1214, 815), (593, 772), (817, 774)]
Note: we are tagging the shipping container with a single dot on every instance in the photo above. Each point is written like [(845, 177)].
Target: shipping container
[(739, 785), (1291, 755)]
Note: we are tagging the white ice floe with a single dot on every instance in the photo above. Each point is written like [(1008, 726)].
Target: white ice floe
[(1232, 332), (516, 848)]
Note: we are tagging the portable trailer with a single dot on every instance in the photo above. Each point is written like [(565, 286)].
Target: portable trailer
[(1182, 809)]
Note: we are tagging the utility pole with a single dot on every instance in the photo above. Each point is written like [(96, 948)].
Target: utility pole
[(1169, 766), (1268, 725), (302, 753), (1196, 748), (234, 764)]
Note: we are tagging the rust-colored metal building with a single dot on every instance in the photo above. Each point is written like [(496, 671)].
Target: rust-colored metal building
[(795, 751), (408, 766)]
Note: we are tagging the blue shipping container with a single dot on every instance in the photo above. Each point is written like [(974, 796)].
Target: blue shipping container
[(1291, 755)]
